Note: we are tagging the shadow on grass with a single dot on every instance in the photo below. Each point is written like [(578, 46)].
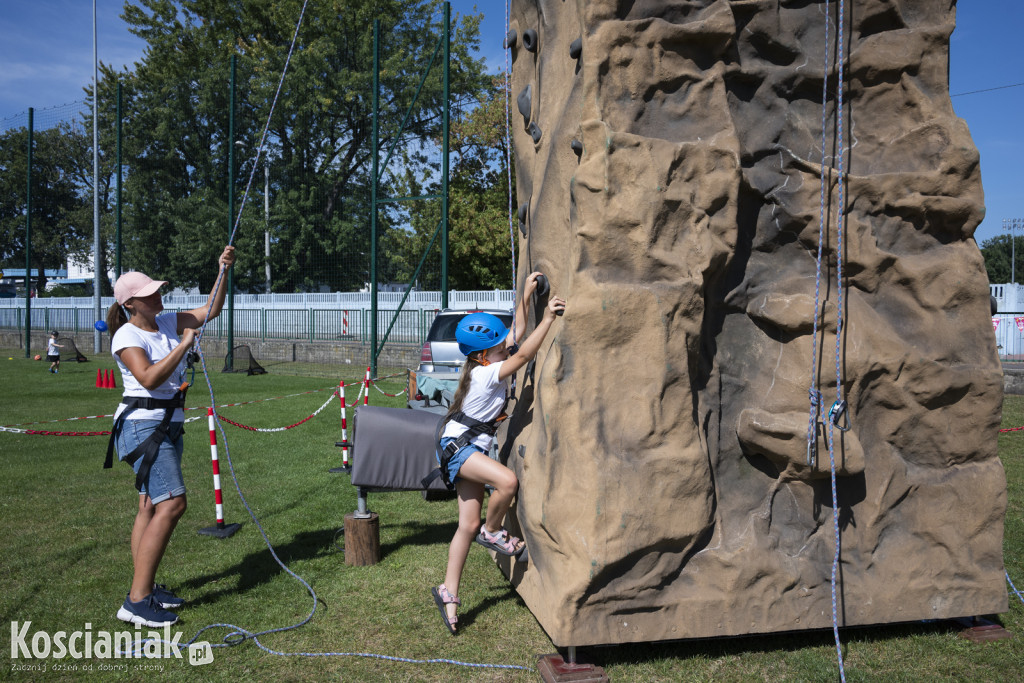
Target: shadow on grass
[(467, 617), (714, 648), (418, 533), (260, 567)]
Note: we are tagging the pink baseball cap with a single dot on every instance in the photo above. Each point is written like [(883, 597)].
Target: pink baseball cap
[(135, 284)]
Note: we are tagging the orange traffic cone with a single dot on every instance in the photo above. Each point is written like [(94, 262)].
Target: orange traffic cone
[(99, 379)]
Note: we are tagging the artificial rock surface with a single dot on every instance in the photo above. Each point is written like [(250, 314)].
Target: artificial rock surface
[(669, 170)]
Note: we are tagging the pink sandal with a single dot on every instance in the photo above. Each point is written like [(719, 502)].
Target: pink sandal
[(441, 598), (500, 542)]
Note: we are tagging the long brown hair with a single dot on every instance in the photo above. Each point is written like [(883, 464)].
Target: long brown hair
[(463, 388), (115, 318)]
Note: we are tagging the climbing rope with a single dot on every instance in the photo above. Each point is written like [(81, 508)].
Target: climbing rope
[(1012, 587), (508, 172), (817, 407)]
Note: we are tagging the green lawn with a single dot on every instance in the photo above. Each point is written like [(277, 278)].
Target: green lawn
[(65, 562)]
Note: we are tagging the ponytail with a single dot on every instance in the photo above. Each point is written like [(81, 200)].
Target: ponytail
[(116, 317), (463, 388)]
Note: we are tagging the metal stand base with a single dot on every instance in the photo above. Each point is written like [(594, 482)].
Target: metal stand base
[(554, 669), (220, 531), (343, 468), (978, 630)]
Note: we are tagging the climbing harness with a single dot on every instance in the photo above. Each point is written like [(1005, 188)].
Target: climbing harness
[(474, 429), (149, 448)]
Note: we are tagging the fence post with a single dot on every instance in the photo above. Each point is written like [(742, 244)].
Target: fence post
[(28, 240)]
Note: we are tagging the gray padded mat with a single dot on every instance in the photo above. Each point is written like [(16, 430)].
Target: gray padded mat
[(393, 448)]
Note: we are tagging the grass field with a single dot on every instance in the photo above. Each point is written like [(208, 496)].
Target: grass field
[(65, 560)]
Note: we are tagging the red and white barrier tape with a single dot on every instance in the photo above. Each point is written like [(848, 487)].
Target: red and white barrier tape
[(363, 393), (279, 429)]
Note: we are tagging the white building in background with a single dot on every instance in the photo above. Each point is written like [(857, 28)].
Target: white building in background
[(1008, 320), (1009, 297), (81, 269)]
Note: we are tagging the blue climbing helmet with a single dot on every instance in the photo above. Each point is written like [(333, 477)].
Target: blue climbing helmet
[(479, 332)]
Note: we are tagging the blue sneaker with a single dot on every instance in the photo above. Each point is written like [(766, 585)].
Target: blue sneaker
[(146, 612), (166, 598)]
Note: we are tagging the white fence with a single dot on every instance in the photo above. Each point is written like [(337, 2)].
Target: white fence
[(462, 300), (344, 317)]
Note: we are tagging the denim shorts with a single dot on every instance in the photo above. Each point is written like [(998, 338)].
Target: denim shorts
[(457, 460), (165, 478)]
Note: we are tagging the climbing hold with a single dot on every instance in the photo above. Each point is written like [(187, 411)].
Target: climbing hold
[(576, 48), (522, 449), (530, 40), (523, 209), (543, 287), (524, 102), (577, 147), (510, 39), (535, 132)]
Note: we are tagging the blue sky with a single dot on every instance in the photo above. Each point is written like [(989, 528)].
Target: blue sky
[(46, 51)]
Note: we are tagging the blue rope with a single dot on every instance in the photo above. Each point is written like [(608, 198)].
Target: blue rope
[(817, 407), (840, 219), (508, 173), (1012, 587), (815, 395)]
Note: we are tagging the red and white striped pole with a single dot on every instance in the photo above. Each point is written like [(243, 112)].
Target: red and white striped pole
[(344, 427), (366, 388), (221, 530), (344, 432)]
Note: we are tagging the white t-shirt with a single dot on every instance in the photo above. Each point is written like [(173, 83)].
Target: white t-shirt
[(51, 347), (484, 401), (155, 345)]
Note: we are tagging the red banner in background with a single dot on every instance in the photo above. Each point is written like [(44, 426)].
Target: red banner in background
[(1020, 323), (995, 324)]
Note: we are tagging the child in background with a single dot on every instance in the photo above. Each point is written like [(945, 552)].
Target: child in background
[(480, 398), (53, 352)]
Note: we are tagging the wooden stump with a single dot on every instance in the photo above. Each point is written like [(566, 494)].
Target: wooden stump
[(362, 540)]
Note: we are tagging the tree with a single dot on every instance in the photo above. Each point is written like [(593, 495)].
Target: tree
[(319, 143), (480, 246), (996, 251), (61, 203)]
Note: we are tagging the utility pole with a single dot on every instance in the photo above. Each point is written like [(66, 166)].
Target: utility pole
[(266, 218), (1011, 225)]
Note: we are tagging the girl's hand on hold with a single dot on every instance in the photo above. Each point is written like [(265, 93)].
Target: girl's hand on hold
[(227, 258), (531, 284), (188, 336), (556, 306)]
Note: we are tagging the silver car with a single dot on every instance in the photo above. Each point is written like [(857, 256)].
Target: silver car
[(440, 352)]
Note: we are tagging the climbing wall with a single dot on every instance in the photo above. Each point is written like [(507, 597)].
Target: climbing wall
[(669, 169)]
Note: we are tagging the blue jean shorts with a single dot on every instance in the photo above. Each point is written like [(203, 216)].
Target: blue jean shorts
[(457, 460), (165, 478)]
